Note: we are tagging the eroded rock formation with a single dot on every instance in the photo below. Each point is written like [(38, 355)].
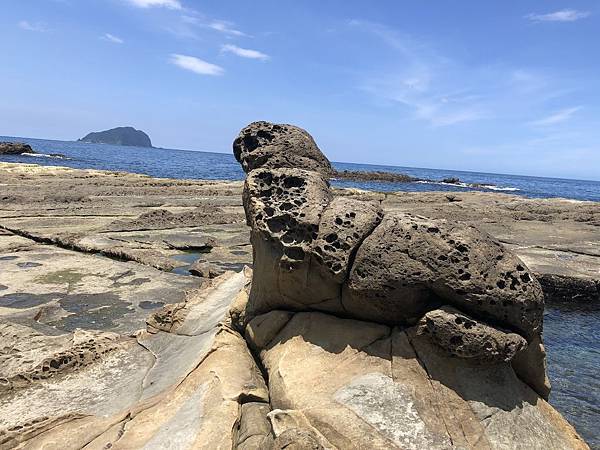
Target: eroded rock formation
[(386, 331)]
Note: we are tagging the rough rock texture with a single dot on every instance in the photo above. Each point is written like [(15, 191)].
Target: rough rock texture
[(556, 238), (283, 207), (14, 148), (343, 226), (188, 380), (424, 262), (338, 255), (204, 269), (447, 381), (462, 336), (263, 144)]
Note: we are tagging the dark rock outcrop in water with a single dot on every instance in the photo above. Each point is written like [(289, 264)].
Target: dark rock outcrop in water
[(359, 175), (15, 148), (127, 136), (358, 303)]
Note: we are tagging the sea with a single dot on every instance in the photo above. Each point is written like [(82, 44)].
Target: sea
[(571, 331), (168, 163)]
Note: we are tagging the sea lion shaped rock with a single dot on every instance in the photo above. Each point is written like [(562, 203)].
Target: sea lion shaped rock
[(339, 255)]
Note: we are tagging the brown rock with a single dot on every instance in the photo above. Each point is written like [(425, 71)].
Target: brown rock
[(267, 145)]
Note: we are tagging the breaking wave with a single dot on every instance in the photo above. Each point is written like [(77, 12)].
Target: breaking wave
[(490, 187), (43, 155)]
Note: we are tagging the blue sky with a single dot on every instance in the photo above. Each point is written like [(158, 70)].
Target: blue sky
[(505, 86)]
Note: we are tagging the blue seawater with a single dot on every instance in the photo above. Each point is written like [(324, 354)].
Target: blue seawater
[(166, 163)]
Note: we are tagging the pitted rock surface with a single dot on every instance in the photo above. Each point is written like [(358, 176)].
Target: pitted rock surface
[(267, 145), (344, 224), (465, 337), (409, 263), (313, 252), (284, 207)]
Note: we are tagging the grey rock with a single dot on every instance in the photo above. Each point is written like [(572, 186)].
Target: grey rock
[(410, 263), (465, 337), (205, 269), (254, 429), (14, 148), (267, 145), (284, 207), (343, 226)]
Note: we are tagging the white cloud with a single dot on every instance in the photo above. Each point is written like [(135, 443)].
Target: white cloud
[(558, 117), (565, 15), (429, 87), (170, 4), (28, 26), (112, 38), (196, 65), (244, 52), (225, 27)]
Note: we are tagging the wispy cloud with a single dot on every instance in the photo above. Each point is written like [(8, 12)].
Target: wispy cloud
[(244, 52), (225, 27), (443, 91), (29, 26), (429, 86), (565, 15), (388, 35), (191, 24), (112, 38), (196, 65), (170, 4), (558, 117)]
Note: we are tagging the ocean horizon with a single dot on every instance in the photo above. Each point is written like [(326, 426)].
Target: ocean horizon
[(202, 164)]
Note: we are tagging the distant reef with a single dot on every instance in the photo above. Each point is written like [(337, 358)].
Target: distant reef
[(14, 148), (119, 136)]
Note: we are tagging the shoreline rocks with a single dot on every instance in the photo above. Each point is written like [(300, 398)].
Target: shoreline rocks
[(15, 148), (358, 175), (314, 375)]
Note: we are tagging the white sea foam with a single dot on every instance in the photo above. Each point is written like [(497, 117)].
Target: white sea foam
[(491, 187), (498, 188), (43, 155)]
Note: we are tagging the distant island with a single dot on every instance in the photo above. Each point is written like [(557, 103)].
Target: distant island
[(119, 136)]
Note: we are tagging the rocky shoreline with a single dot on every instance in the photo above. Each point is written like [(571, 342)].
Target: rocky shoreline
[(557, 238), (90, 258)]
